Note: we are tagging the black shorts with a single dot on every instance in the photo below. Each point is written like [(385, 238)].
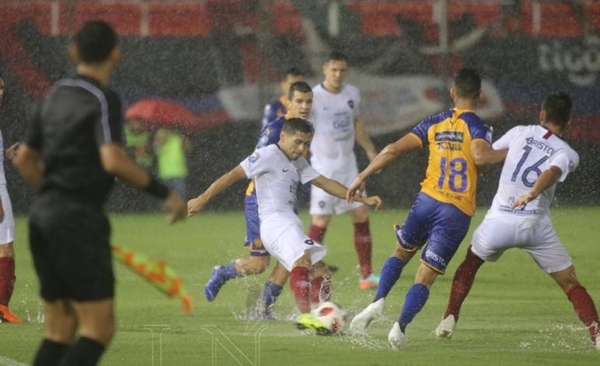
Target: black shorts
[(70, 245)]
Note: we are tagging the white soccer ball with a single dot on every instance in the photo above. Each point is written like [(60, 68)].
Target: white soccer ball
[(332, 315)]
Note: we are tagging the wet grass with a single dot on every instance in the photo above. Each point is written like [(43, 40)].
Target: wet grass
[(514, 315)]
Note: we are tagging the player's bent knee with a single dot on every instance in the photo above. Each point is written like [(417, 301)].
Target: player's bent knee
[(321, 220)]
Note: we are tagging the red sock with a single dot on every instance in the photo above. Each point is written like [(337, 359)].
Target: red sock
[(363, 245), (320, 289), (7, 279), (585, 309), (300, 285), (317, 233), (462, 283)]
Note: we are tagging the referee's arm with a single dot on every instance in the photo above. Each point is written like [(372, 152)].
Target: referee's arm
[(115, 161), (28, 163)]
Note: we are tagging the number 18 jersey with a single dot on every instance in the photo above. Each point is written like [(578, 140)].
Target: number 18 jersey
[(531, 150), (451, 175)]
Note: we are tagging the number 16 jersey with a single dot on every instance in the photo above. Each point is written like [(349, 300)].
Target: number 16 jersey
[(451, 175), (531, 150)]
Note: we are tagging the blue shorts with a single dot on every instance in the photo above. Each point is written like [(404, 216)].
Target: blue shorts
[(441, 225), (252, 242)]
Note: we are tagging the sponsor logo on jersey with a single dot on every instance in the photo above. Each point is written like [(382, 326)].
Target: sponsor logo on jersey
[(455, 136), (351, 104)]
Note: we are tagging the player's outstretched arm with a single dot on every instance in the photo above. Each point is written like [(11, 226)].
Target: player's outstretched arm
[(115, 161), (29, 165), (339, 190), (196, 205), (546, 180), (390, 153), (483, 153)]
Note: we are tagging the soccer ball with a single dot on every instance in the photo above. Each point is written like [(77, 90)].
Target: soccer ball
[(332, 315)]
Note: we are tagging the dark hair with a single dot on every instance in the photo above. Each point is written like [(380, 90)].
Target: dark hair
[(292, 71), (95, 40), (558, 108), (293, 125), (336, 56), (467, 83), (299, 86)]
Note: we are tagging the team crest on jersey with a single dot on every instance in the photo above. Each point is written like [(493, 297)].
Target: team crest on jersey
[(351, 104), (455, 136), (254, 157), (321, 204)]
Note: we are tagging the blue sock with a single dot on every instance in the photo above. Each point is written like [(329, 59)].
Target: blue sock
[(415, 299), (271, 293), (229, 271), (390, 273)]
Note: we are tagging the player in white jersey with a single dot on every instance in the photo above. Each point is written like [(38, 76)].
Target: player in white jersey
[(519, 217), (335, 116), (7, 234), (277, 170)]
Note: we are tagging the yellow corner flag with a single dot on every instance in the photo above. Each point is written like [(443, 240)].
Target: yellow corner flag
[(157, 272)]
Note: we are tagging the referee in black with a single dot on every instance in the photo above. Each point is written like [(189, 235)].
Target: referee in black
[(72, 152)]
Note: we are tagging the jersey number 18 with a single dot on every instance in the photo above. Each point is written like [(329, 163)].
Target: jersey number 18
[(458, 171)]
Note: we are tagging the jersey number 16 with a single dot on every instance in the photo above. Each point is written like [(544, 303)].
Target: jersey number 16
[(531, 169)]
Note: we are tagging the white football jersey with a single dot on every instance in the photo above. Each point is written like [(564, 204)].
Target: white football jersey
[(276, 178), (332, 147), (531, 150), (2, 177)]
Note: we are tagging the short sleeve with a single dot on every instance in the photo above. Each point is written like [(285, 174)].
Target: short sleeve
[(567, 161), (307, 172), (478, 129), (110, 125), (257, 163), (268, 114), (270, 133), (504, 142)]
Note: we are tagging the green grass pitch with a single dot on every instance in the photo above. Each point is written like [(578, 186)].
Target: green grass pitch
[(515, 315)]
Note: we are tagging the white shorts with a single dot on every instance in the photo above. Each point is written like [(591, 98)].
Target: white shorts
[(289, 245), (322, 203), (536, 237), (7, 226)]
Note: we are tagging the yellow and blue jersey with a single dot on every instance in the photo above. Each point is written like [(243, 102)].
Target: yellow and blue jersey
[(451, 175), (274, 110)]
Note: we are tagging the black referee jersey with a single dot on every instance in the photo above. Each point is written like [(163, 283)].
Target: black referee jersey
[(75, 118)]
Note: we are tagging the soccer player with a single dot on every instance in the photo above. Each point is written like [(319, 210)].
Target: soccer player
[(335, 117), (277, 169), (71, 154), (299, 103), (7, 234), (459, 143), (278, 107), (538, 158)]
